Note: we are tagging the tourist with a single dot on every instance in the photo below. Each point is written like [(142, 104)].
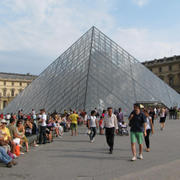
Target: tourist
[(8, 117), (42, 128), (137, 122), (33, 113), (110, 124), (28, 127), (13, 133), (149, 130), (49, 129), (120, 116), (7, 139), (5, 158), (74, 119), (104, 113), (162, 118), (101, 126), (152, 114), (57, 125), (21, 132), (20, 115), (92, 125), (63, 124)]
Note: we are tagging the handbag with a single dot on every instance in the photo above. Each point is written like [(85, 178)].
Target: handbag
[(17, 150)]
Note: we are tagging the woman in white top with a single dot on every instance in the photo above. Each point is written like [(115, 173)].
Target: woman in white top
[(149, 130), (92, 125), (162, 118)]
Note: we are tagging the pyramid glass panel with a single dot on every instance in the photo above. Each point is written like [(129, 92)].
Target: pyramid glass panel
[(94, 72)]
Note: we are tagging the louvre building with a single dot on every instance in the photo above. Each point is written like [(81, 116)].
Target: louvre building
[(93, 72)]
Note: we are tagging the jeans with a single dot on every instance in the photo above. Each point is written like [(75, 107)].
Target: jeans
[(110, 137), (4, 157), (42, 134), (93, 133)]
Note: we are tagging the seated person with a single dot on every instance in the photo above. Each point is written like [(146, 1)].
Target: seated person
[(49, 129), (58, 127), (34, 131), (21, 132), (64, 123), (7, 140), (28, 127), (5, 158)]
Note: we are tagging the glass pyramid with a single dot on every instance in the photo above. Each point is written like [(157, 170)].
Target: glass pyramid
[(93, 72)]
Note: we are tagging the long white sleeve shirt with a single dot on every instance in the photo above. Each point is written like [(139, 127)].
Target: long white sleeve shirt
[(110, 121), (43, 117)]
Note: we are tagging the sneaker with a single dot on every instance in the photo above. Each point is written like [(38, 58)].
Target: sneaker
[(36, 145), (134, 158), (21, 153), (9, 165), (91, 141), (15, 157), (14, 162), (140, 156)]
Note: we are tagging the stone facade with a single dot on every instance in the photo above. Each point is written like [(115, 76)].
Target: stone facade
[(168, 69), (11, 85)]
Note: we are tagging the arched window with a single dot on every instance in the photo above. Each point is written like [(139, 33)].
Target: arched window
[(4, 104), (170, 68), (4, 91), (171, 80), (12, 92), (160, 69)]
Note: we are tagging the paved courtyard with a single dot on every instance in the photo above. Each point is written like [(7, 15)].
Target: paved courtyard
[(74, 158)]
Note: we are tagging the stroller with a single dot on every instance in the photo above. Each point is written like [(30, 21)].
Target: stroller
[(123, 129)]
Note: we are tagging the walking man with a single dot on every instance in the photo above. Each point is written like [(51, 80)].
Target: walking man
[(137, 122), (74, 121), (110, 124)]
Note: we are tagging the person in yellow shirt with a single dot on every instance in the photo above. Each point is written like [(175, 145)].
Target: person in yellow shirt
[(5, 131), (7, 137), (74, 118)]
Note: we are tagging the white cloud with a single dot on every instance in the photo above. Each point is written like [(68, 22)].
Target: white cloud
[(140, 3), (144, 44), (49, 27)]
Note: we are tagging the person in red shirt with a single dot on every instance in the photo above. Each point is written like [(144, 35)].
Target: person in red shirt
[(1, 116)]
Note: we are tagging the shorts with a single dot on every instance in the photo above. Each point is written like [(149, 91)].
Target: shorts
[(73, 126), (138, 136), (162, 119), (25, 139)]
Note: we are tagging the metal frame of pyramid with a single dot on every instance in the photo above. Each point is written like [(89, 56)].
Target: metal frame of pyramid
[(93, 72)]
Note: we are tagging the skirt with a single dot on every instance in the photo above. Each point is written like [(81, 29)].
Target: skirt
[(162, 119)]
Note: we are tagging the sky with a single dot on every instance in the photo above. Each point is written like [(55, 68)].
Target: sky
[(33, 33)]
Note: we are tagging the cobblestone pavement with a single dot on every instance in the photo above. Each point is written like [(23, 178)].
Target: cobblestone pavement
[(75, 158)]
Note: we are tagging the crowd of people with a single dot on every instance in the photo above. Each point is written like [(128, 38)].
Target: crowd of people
[(15, 130)]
